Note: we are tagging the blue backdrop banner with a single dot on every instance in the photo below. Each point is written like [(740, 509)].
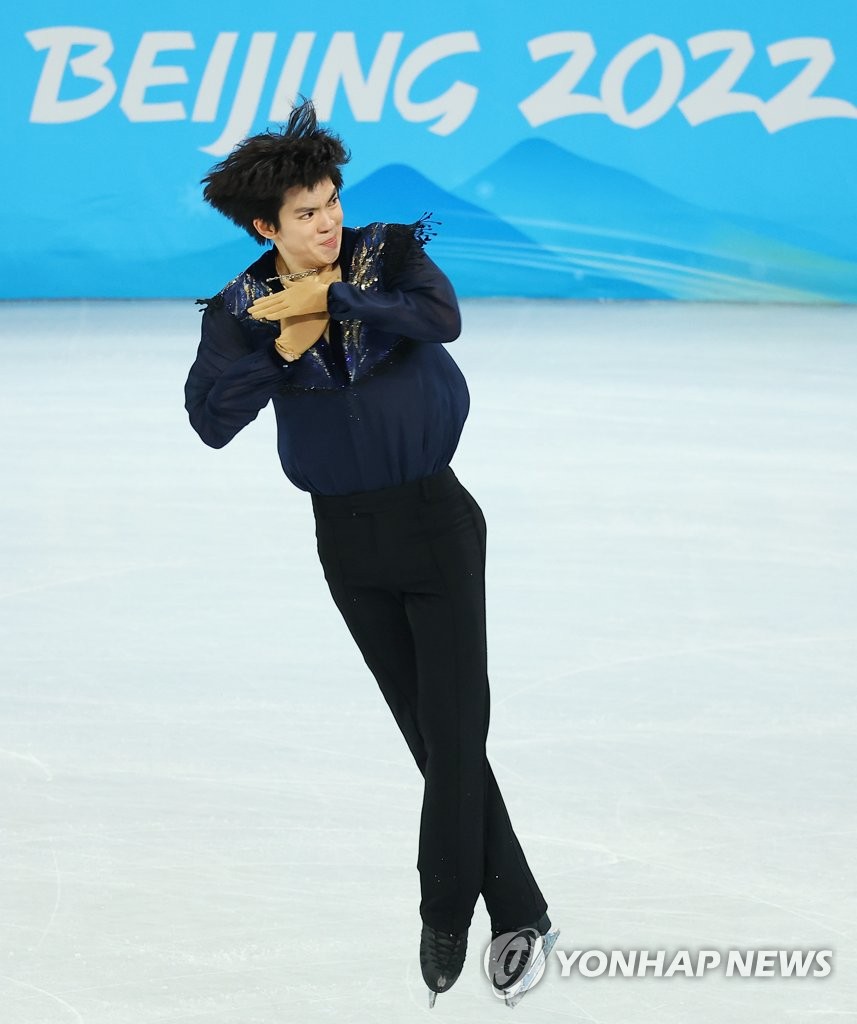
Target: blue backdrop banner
[(671, 149)]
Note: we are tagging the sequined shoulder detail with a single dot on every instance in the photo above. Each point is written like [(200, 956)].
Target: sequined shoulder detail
[(403, 241), (242, 292), (383, 250), (365, 268)]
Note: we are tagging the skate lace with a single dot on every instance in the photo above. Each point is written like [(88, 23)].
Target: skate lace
[(445, 949)]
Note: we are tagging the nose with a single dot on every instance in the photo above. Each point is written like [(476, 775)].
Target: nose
[(327, 221)]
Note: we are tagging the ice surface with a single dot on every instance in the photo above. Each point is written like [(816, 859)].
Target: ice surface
[(208, 814)]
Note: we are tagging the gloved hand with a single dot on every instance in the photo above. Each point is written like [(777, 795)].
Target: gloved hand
[(296, 336), (301, 309), (298, 298)]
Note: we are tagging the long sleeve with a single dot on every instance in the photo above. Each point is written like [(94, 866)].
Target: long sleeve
[(372, 404), (417, 301), (231, 380)]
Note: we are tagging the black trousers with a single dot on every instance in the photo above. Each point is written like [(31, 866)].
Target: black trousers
[(406, 568)]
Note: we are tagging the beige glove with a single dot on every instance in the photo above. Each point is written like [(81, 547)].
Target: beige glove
[(301, 309)]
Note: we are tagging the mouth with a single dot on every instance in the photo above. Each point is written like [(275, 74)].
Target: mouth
[(331, 243)]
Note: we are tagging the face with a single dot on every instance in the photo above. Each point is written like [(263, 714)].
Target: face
[(310, 232)]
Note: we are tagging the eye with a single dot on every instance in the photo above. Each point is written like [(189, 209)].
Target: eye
[(333, 201)]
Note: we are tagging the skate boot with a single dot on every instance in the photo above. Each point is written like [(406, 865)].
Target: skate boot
[(441, 959), (516, 959)]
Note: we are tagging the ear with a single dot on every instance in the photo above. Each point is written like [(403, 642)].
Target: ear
[(265, 229)]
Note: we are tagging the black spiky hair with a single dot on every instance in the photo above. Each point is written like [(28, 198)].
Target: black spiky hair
[(252, 181)]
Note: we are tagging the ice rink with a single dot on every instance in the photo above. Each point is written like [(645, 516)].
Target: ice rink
[(208, 814)]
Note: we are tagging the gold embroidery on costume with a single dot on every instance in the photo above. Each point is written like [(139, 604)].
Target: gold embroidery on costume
[(365, 266)]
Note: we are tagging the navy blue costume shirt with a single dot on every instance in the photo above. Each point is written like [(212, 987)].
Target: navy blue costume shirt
[(379, 402)]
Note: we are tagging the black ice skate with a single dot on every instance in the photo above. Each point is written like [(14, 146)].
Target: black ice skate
[(441, 959), (516, 959)]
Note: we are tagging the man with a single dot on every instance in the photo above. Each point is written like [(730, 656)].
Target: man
[(343, 329)]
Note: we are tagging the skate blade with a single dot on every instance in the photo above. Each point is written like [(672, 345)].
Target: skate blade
[(517, 992), (432, 997)]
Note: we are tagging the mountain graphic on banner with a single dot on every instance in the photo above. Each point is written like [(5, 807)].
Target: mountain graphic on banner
[(484, 254), (612, 223), (538, 222)]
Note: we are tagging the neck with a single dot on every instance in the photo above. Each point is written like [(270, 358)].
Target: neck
[(285, 268)]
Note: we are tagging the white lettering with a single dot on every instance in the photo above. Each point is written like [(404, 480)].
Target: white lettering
[(795, 963), (83, 53), (668, 91), (567, 961), (765, 963), (211, 86), (708, 958), (627, 965), (47, 107), (452, 107), (743, 963), (600, 961), (557, 98), (249, 92), (714, 97), (291, 75), (680, 963), (822, 958), (796, 103), (342, 64), (145, 73), (645, 962), (761, 963)]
